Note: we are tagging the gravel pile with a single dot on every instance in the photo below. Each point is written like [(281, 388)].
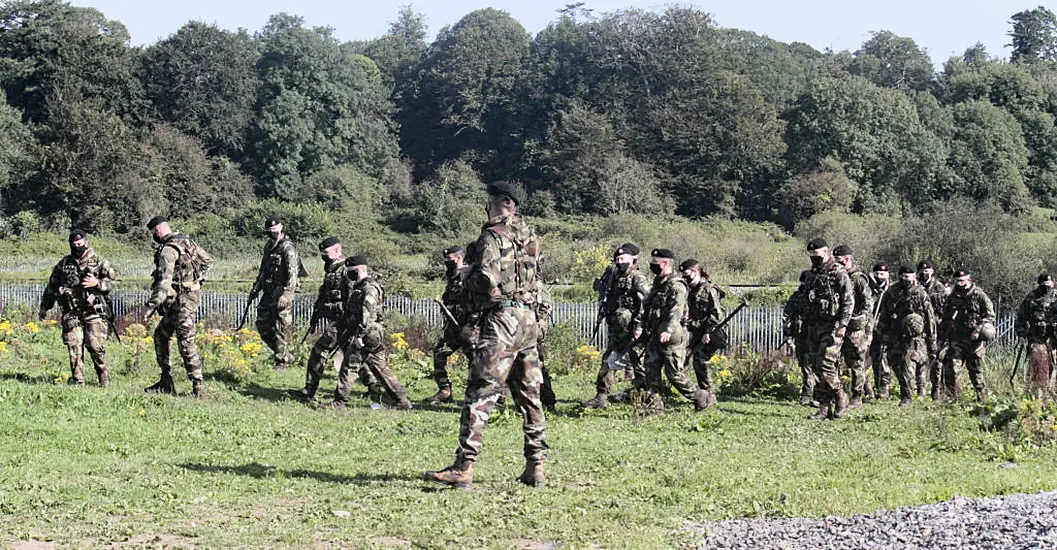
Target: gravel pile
[(1015, 521)]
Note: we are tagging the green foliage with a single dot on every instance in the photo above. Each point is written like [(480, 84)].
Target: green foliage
[(826, 189), (988, 155), (451, 202), (1034, 36), (893, 61)]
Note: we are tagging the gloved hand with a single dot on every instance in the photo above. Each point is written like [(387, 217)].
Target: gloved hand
[(285, 299)]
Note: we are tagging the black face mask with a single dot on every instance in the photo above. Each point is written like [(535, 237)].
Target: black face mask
[(816, 260), (655, 269), (623, 268), (157, 239), (450, 266), (77, 251)]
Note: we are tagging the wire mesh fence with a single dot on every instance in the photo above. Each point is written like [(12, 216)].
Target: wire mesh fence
[(760, 328)]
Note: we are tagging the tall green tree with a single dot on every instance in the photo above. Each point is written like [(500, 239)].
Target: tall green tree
[(1034, 36), (16, 150), (988, 155), (892, 61)]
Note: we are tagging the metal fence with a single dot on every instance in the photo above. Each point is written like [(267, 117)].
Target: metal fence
[(758, 327)]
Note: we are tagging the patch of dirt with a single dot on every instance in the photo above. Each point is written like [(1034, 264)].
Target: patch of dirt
[(32, 545), (529, 544), (392, 542)]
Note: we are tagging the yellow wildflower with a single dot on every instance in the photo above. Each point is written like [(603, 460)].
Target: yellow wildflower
[(32, 327), (3, 347), (399, 343), (5, 328), (250, 348)]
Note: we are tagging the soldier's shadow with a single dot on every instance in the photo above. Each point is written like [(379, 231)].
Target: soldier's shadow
[(26, 378), (257, 391), (263, 471)]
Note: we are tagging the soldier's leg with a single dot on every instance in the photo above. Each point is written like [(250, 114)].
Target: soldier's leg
[(828, 372), (936, 368), (163, 334), (185, 341), (73, 337), (702, 369), (265, 323), (881, 372), (525, 382), (378, 362), (974, 363), (350, 366), (606, 378), (442, 352), (322, 347), (1039, 359), (854, 350), (807, 374), (95, 332), (673, 361), (951, 381), (284, 329), (489, 370), (897, 359), (547, 396)]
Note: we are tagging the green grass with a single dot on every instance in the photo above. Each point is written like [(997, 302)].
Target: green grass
[(249, 468)]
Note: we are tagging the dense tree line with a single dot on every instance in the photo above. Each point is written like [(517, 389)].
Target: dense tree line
[(626, 112)]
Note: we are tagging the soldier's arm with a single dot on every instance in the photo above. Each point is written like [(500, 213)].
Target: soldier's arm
[(106, 277), (846, 295), (372, 303), (673, 317), (487, 272), (930, 326), (640, 285), (987, 313), (259, 281), (790, 314), (51, 291), (865, 297), (204, 260), (715, 307), (163, 274), (883, 317), (290, 264), (1020, 324)]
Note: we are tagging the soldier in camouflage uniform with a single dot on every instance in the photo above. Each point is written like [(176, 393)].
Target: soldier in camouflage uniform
[(329, 311), (907, 326), (543, 305), (937, 292), (365, 352), (451, 338), (968, 324), (666, 336), (882, 376), (623, 289), (792, 331), (1034, 324), (705, 312), (277, 280), (80, 283), (829, 299), (500, 285), (856, 345), (180, 267)]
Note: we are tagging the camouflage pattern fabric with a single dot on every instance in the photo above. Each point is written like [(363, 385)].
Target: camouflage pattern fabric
[(323, 346), (882, 374), (856, 348), (329, 312), (705, 310), (792, 327), (827, 303), (937, 293), (625, 301), (180, 267), (543, 306), (451, 340), (178, 318), (277, 277), (1034, 323), (665, 314), (965, 312), (907, 325), (365, 352), (78, 334)]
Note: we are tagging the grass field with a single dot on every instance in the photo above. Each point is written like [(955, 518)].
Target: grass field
[(248, 467)]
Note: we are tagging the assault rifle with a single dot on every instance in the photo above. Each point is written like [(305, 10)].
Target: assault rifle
[(447, 312), (246, 310), (719, 326), (603, 293)]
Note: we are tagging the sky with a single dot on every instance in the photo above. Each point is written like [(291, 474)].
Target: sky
[(943, 27)]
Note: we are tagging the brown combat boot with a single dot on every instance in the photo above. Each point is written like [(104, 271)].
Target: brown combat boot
[(703, 400), (533, 474), (822, 413), (104, 377), (855, 403), (599, 401), (443, 395), (164, 385), (404, 404), (458, 475), (840, 406), (198, 389), (885, 393)]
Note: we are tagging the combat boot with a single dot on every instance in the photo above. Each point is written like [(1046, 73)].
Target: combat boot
[(885, 393), (807, 401), (703, 400), (906, 402), (104, 377), (458, 475), (443, 395), (840, 406), (822, 413), (164, 385), (198, 388), (533, 474), (599, 401), (855, 403), (404, 404)]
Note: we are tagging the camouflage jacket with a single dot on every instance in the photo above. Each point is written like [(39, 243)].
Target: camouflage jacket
[(627, 291), (894, 321), (506, 254), (862, 313), (330, 301), (791, 314), (704, 307), (666, 304), (280, 267), (64, 286), (364, 304), (180, 265), (543, 305), (829, 296), (454, 296), (966, 312), (1034, 320), (937, 292)]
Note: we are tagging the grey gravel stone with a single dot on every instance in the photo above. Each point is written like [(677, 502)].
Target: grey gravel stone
[(1006, 522)]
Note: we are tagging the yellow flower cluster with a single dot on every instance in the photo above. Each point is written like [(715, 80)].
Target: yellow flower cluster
[(251, 349), (721, 366), (32, 327), (587, 353), (399, 342), (6, 329)]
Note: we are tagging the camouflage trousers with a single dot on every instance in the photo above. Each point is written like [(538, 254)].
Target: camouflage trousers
[(79, 333), (1040, 366), (179, 319), (807, 374), (547, 396), (882, 375), (701, 354), (324, 345), (370, 363), (670, 358), (618, 343), (504, 356), (449, 344), (970, 354), (276, 327), (908, 360), (822, 352), (854, 350)]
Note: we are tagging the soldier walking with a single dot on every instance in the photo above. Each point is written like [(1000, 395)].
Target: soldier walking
[(856, 346), (328, 311), (180, 266), (795, 336), (937, 292), (365, 353), (828, 303), (543, 305), (1034, 324), (623, 289), (80, 283), (277, 282), (705, 307), (451, 338), (968, 324), (906, 325), (501, 284), (882, 375)]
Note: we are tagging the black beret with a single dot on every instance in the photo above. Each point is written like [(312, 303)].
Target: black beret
[(689, 264), (880, 267), (456, 250), (906, 268), (842, 250), (628, 248), (817, 243), (355, 261), (926, 264), (961, 272), (505, 190), (271, 221), (662, 253), (156, 221), (327, 243), (77, 234), (1043, 278)]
